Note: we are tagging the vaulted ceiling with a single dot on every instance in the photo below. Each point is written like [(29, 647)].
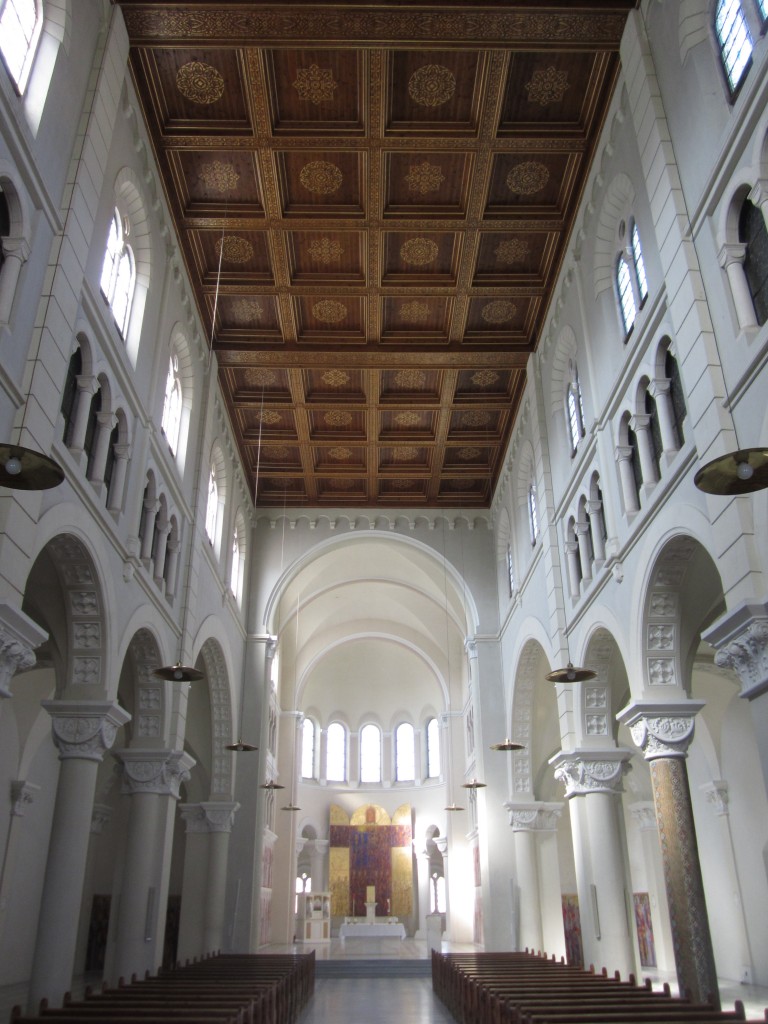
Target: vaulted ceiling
[(387, 190)]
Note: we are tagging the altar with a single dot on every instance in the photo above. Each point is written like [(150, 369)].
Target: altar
[(381, 928)]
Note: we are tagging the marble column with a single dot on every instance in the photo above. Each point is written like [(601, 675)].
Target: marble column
[(528, 822), (663, 731), (593, 787), (19, 636), (151, 778), (741, 639), (83, 731)]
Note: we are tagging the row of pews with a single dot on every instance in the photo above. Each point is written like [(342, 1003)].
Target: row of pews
[(528, 988), (221, 989)]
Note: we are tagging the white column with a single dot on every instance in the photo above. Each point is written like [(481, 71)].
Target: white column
[(192, 913), (117, 487), (16, 252), (83, 731), (220, 818), (731, 258), (623, 455), (160, 547), (22, 796), (597, 526), (660, 391), (150, 509), (582, 536), (19, 636), (152, 779), (323, 771), (641, 424), (593, 782), (86, 389), (529, 822), (423, 865), (173, 567), (572, 557), (105, 423)]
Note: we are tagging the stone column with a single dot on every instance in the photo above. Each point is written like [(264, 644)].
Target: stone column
[(151, 778), (159, 560), (528, 821), (597, 526), (741, 639), (220, 818), (173, 566), (23, 794), (572, 555), (441, 842), (150, 509), (593, 788), (425, 881), (582, 537), (105, 422), (117, 487), (86, 388), (16, 253), (660, 392), (731, 258), (641, 424), (663, 732), (627, 477), (83, 731), (19, 636)]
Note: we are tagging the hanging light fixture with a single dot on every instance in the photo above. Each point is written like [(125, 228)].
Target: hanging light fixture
[(739, 472), (23, 469), (179, 673), (507, 744), (271, 784), (473, 784), (571, 673)]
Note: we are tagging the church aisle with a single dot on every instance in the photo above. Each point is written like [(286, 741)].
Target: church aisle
[(374, 1001)]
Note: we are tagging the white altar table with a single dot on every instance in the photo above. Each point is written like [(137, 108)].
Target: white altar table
[(363, 930)]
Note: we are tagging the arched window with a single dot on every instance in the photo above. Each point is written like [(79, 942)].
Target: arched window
[(308, 749), (676, 395), (533, 513), (336, 753), (405, 753), (433, 749), (212, 507), (626, 296), (20, 24), (734, 40), (753, 233), (370, 754), (637, 259), (574, 402), (69, 395), (171, 420), (510, 570), (118, 274)]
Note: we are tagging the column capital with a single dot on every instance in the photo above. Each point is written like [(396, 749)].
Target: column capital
[(441, 842), (589, 771), (23, 794), (84, 729), (731, 252), (716, 795), (741, 639), (644, 814), (19, 636), (640, 421), (88, 383), (100, 816), (154, 771), (623, 452), (470, 646), (535, 817), (663, 728), (321, 845), (659, 386)]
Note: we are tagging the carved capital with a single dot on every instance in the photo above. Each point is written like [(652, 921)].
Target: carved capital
[(747, 655), (22, 795), (716, 795), (154, 771), (731, 252), (534, 817), (209, 817), (84, 729), (582, 776), (19, 636), (644, 814), (661, 729), (470, 646)]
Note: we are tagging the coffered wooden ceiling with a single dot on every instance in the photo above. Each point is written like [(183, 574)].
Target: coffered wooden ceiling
[(390, 188)]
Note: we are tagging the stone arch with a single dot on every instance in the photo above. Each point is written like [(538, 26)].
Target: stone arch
[(219, 692), (599, 699), (563, 359), (619, 198), (683, 595), (129, 200), (142, 693), (533, 705), (64, 595)]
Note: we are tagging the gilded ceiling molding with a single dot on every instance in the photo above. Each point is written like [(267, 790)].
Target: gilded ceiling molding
[(431, 85), (410, 379), (325, 250), (418, 252), (527, 178), (321, 177), (498, 312), (245, 310), (547, 85), (510, 250), (234, 249), (329, 311), (424, 177), (337, 418), (219, 177), (315, 84), (414, 312)]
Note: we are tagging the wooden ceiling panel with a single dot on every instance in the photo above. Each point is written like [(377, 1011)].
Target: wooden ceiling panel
[(316, 92), (390, 187)]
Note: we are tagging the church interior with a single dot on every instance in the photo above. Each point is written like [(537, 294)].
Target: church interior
[(382, 394)]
